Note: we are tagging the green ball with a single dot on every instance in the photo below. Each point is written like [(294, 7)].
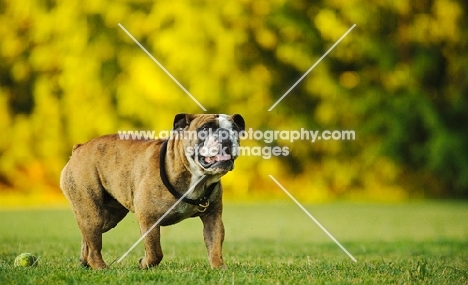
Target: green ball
[(25, 260)]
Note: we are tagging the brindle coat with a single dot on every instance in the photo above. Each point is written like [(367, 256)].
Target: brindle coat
[(107, 177)]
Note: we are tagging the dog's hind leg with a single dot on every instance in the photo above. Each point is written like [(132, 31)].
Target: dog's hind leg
[(112, 215), (87, 203), (89, 213), (90, 221), (91, 246)]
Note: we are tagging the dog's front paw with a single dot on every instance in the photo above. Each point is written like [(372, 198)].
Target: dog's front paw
[(84, 263), (222, 267), (219, 266), (144, 264)]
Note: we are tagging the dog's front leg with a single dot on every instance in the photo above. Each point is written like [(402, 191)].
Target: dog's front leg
[(153, 251), (213, 232)]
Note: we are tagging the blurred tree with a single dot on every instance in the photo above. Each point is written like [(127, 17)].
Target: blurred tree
[(398, 81)]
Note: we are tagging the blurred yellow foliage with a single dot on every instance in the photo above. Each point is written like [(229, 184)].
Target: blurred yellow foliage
[(69, 73)]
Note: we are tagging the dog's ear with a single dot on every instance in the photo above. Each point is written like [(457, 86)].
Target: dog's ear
[(239, 121), (182, 120)]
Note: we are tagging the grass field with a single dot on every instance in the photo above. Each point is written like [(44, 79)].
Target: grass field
[(414, 243)]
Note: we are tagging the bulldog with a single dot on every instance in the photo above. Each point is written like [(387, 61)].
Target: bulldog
[(107, 177)]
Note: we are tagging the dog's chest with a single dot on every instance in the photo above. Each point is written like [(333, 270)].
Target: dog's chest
[(180, 212)]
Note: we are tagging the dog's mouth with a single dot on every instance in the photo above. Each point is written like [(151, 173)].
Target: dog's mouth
[(223, 162), (210, 160), (217, 150), (215, 153)]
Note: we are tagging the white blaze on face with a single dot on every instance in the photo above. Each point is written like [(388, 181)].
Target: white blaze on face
[(210, 147), (211, 150), (224, 122)]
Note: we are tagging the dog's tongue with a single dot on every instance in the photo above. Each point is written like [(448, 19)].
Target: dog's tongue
[(218, 157)]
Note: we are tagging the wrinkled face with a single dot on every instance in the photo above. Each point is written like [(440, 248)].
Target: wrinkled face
[(213, 140)]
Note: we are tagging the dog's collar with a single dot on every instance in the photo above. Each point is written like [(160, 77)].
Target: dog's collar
[(203, 202)]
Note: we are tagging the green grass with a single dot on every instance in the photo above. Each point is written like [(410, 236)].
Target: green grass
[(415, 243)]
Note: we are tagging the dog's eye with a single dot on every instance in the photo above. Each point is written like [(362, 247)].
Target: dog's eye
[(207, 127)]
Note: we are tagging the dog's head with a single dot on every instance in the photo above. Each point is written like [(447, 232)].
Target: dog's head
[(211, 141)]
